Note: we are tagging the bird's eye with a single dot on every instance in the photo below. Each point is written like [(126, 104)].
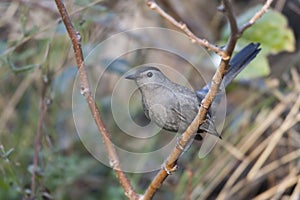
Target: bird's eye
[(149, 74)]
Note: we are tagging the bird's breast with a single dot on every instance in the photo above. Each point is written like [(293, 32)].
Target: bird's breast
[(164, 107)]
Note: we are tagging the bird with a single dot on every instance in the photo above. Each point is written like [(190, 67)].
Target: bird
[(172, 106)]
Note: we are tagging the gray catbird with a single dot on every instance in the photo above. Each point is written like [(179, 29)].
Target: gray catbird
[(172, 106)]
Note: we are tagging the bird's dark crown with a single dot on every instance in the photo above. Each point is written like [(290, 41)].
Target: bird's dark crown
[(146, 68)]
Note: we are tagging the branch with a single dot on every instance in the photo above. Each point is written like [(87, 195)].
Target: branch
[(85, 91), (43, 110), (234, 30), (170, 163), (257, 15), (194, 39)]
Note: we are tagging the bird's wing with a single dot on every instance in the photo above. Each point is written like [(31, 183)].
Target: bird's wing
[(209, 126), (146, 111), (179, 115)]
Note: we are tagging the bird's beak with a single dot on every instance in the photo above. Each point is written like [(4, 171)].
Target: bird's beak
[(131, 76)]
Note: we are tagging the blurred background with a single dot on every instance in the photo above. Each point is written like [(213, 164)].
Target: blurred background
[(259, 156)]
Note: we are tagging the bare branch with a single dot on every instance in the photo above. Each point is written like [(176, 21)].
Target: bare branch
[(85, 90), (194, 39), (234, 30), (257, 15), (43, 110)]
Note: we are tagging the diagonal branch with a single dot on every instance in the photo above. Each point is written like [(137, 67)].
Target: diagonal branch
[(85, 90), (170, 163), (203, 42), (257, 15)]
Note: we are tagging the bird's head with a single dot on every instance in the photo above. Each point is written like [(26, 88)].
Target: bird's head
[(148, 77)]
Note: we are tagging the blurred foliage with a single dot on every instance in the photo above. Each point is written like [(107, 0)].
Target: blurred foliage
[(34, 47)]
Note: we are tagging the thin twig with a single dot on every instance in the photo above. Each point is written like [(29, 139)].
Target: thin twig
[(257, 15), (194, 39), (85, 90), (43, 110)]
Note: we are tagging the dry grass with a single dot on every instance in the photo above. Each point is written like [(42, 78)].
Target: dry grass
[(264, 162)]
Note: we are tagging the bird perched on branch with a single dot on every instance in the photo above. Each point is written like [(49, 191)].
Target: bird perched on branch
[(172, 106)]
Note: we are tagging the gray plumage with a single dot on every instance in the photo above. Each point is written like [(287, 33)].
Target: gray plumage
[(173, 106)]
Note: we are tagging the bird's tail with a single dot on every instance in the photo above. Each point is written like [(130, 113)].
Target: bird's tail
[(240, 61), (236, 65)]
